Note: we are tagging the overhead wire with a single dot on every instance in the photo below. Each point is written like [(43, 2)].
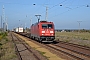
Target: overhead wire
[(70, 9), (36, 10), (52, 6), (58, 4), (49, 8)]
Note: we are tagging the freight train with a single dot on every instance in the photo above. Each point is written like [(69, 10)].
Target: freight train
[(43, 31)]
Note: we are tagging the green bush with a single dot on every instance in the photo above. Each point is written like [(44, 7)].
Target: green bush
[(3, 34)]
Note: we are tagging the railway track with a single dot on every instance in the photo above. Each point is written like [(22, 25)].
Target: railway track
[(75, 45), (73, 53), (25, 52), (68, 51)]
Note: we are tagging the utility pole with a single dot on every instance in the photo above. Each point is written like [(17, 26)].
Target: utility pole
[(1, 22), (79, 25), (46, 18), (25, 27), (4, 24), (25, 24), (19, 23), (38, 16), (30, 21)]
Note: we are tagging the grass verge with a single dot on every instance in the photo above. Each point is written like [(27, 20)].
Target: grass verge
[(7, 51), (74, 37)]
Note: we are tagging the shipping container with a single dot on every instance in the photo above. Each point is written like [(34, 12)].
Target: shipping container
[(20, 29), (16, 30)]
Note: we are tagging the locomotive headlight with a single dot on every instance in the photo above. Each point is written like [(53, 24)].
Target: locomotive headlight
[(42, 34), (43, 31), (51, 31), (52, 34)]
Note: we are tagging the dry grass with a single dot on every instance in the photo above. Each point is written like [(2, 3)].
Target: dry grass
[(7, 51), (74, 37)]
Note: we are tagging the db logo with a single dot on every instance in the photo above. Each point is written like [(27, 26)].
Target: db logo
[(20, 29)]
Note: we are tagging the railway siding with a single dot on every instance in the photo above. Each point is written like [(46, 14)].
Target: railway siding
[(22, 50), (42, 50)]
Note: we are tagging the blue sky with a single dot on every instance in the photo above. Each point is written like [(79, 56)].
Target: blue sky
[(19, 12)]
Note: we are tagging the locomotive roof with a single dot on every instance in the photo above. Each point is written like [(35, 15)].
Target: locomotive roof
[(39, 22)]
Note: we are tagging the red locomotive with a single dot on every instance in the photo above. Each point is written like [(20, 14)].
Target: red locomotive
[(43, 31)]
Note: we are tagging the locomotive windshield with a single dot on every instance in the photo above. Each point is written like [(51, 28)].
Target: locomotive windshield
[(47, 26)]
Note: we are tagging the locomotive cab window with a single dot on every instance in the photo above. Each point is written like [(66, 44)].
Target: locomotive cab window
[(47, 26)]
